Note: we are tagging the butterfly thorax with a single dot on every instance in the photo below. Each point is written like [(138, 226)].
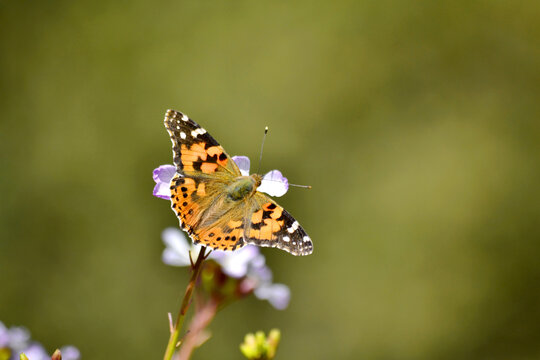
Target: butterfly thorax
[(243, 186)]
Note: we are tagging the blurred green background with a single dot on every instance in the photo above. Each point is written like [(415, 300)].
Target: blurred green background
[(417, 124)]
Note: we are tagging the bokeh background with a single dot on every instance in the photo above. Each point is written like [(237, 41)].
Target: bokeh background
[(417, 124)]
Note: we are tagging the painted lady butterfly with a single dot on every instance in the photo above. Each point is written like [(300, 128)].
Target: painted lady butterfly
[(216, 205)]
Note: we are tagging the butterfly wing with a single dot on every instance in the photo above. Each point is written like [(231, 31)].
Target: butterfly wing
[(204, 170), (195, 151), (270, 225), (256, 220)]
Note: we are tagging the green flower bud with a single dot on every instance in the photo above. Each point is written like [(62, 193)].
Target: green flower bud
[(259, 347)]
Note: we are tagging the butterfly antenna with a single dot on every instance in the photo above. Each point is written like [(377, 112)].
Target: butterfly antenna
[(295, 185), (262, 147), (301, 186)]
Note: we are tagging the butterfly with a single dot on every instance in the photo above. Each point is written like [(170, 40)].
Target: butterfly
[(218, 206)]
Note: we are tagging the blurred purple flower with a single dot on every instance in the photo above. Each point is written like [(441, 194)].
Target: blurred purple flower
[(273, 183), (236, 263), (36, 352), (162, 176), (177, 247), (278, 295), (247, 263), (70, 353), (17, 340)]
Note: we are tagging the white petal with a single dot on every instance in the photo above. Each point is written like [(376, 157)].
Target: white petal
[(278, 295), (70, 352), (243, 164), (162, 190), (171, 257), (235, 264), (178, 247), (36, 352), (274, 184)]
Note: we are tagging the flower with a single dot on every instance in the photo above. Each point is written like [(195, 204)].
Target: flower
[(177, 248), (236, 263), (278, 295), (17, 340), (70, 353), (162, 176), (246, 264), (36, 352), (273, 182)]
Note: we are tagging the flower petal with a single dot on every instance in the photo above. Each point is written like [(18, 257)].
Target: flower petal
[(36, 352), (162, 176), (18, 337), (235, 264), (70, 352), (243, 164), (274, 183), (164, 173), (278, 295), (4, 335), (162, 191), (177, 248)]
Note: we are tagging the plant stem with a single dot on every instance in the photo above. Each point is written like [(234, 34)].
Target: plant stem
[(197, 329), (173, 339)]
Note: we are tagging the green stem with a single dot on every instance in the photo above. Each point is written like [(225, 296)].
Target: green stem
[(173, 339)]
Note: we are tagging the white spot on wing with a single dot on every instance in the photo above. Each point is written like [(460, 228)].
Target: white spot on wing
[(182, 135), (293, 227), (184, 117), (286, 239), (197, 132)]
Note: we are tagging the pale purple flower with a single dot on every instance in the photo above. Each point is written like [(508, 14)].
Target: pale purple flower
[(162, 176), (236, 263), (273, 182), (243, 164), (177, 248), (17, 339), (246, 262), (278, 295), (70, 352), (36, 352)]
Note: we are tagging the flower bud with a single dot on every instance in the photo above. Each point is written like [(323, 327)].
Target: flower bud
[(56, 355), (259, 347)]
